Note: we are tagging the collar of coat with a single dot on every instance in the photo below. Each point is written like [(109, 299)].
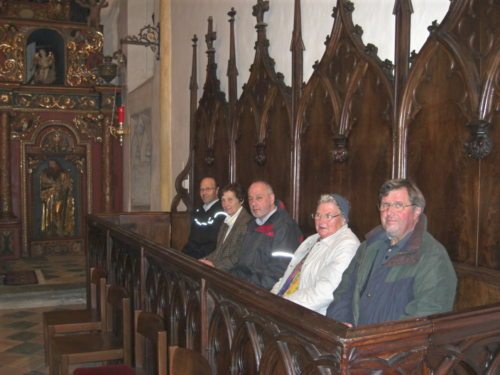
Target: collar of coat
[(410, 253)]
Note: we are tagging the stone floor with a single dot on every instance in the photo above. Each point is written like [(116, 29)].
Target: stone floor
[(21, 308)]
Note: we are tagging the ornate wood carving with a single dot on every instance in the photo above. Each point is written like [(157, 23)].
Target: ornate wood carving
[(333, 114), (60, 101), (479, 145), (51, 11), (54, 165), (211, 134), (91, 125), (84, 46), (360, 120), (232, 74), (263, 120), (340, 152), (5, 175), (57, 121), (450, 85), (12, 53), (23, 124)]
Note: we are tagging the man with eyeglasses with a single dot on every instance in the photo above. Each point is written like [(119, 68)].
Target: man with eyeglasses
[(401, 270), (270, 240), (317, 265), (205, 221)]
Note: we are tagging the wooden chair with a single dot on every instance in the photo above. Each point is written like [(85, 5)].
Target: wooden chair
[(184, 361), (149, 328), (112, 343), (78, 320)]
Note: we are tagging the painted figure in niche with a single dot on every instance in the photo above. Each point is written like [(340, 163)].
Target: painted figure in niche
[(58, 203), (44, 63), (94, 7)]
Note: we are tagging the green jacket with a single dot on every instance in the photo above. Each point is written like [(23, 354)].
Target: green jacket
[(419, 280)]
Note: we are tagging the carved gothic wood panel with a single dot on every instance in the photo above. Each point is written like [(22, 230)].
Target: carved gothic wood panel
[(449, 107), (344, 112), (211, 142)]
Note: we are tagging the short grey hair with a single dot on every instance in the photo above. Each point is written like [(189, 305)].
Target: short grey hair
[(416, 196), (330, 198), (326, 198)]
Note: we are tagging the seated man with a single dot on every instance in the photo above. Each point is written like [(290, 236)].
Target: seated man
[(270, 240), (317, 266), (205, 221), (400, 271)]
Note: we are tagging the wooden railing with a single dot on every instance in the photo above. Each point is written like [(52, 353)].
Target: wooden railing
[(243, 329)]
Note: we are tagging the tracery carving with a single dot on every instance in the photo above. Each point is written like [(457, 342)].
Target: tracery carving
[(472, 356), (409, 362)]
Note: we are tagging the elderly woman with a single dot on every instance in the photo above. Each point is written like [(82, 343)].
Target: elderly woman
[(317, 265), (233, 229)]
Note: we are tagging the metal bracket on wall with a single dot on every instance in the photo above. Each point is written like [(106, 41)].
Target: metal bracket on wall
[(149, 36)]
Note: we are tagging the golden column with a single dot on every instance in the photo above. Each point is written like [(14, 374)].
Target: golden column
[(166, 184)]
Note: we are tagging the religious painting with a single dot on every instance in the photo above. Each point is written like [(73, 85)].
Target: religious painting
[(56, 200), (140, 155)]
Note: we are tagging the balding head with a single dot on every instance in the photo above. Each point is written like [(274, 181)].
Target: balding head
[(261, 199)]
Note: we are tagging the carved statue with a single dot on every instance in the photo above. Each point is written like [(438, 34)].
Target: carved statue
[(44, 63), (94, 7), (58, 203)]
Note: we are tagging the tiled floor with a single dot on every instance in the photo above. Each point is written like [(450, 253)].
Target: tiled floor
[(21, 337)]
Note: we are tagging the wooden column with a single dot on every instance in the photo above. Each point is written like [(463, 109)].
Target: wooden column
[(5, 183), (402, 10), (297, 48), (232, 74)]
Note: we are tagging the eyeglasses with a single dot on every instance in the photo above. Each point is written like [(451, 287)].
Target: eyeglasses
[(397, 206), (318, 216)]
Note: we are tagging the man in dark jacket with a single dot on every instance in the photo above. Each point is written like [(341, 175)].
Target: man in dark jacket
[(400, 271), (205, 221), (270, 241)]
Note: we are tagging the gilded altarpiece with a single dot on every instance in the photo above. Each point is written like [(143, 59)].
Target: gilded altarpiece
[(55, 184), (58, 160)]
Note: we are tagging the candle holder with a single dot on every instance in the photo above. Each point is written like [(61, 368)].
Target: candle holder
[(120, 130)]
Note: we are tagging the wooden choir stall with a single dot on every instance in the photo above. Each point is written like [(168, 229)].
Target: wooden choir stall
[(432, 116)]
